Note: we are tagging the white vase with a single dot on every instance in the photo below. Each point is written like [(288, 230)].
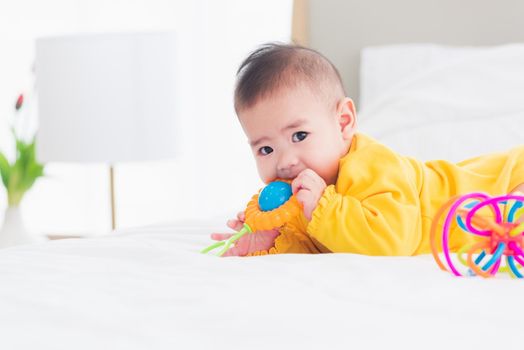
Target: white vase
[(14, 232)]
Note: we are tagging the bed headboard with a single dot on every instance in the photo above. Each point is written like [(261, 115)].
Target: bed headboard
[(341, 28)]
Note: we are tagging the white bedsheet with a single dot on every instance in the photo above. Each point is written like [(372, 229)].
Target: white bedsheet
[(151, 289)]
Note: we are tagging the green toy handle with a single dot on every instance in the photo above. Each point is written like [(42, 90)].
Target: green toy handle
[(227, 243)]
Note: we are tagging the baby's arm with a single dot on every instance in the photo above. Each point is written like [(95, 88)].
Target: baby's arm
[(516, 157), (385, 223)]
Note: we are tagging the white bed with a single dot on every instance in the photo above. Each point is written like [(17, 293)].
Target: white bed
[(150, 289)]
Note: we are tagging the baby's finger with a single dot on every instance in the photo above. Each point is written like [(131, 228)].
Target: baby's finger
[(297, 184), (303, 196), (235, 224), (303, 181), (241, 216), (308, 203), (310, 180), (220, 236)]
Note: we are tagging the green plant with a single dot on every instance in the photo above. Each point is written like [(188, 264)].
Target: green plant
[(19, 175)]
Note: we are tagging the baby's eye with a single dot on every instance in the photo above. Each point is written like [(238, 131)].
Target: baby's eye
[(265, 150), (299, 136)]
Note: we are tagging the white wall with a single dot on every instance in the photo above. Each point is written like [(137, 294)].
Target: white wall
[(214, 176), (340, 29)]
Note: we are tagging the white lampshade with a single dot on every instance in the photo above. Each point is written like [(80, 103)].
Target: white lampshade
[(106, 97)]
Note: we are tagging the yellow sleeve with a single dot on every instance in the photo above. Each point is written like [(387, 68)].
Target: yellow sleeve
[(290, 241), (378, 225), (517, 175)]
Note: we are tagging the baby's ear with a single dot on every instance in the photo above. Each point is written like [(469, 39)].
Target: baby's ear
[(347, 117)]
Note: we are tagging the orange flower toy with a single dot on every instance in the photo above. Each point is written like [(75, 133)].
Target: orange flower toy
[(271, 208)]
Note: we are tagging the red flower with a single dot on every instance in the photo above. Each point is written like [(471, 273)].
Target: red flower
[(19, 102)]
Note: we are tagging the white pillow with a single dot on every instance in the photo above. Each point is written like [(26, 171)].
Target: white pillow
[(434, 102)]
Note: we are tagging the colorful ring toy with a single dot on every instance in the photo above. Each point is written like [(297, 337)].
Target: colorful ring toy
[(497, 222)]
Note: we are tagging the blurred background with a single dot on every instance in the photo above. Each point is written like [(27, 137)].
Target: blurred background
[(213, 174)]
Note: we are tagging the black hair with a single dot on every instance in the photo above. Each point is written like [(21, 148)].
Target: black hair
[(275, 65)]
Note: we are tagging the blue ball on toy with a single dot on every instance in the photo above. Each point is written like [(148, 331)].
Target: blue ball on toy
[(274, 195)]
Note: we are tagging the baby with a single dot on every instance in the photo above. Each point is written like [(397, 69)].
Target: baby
[(357, 195)]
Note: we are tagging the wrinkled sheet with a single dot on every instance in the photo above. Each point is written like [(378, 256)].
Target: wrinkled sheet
[(151, 289)]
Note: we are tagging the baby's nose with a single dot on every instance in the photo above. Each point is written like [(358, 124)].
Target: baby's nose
[(287, 165)]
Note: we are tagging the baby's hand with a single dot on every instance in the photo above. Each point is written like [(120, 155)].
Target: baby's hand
[(238, 223), (250, 242), (308, 187)]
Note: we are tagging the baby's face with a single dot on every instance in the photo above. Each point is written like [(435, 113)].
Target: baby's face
[(293, 130)]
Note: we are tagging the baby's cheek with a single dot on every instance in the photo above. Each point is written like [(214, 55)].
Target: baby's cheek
[(266, 174), (328, 170)]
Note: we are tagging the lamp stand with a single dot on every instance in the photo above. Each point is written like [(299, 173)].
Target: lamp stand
[(112, 194)]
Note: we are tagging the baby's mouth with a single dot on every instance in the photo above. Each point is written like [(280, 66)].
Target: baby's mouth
[(285, 177), (288, 175)]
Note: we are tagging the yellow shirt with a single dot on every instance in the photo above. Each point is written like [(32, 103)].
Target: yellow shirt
[(383, 203)]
